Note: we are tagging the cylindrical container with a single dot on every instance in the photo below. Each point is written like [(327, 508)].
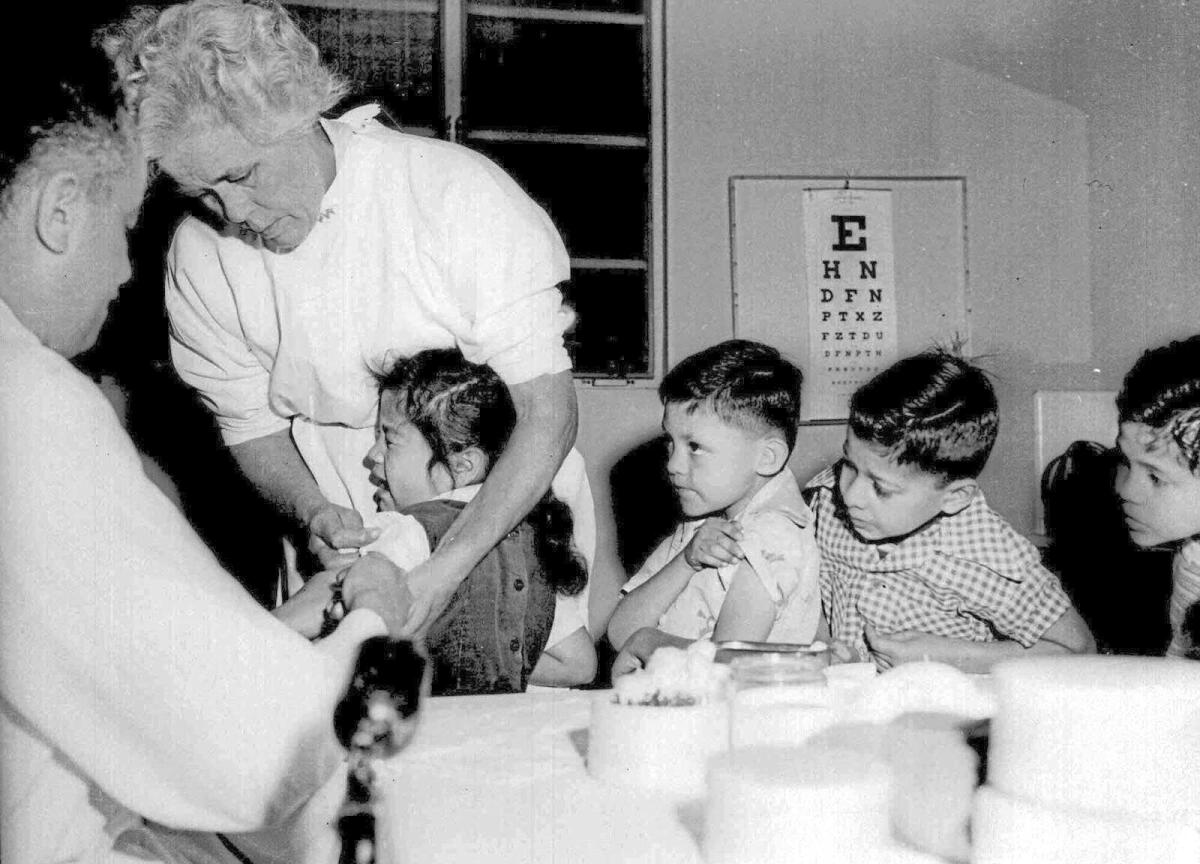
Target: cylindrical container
[(1010, 830), (794, 805), (660, 747), (847, 679), (785, 716), (814, 656), (779, 699), (1099, 733)]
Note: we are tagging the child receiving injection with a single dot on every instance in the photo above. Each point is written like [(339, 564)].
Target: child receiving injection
[(443, 422)]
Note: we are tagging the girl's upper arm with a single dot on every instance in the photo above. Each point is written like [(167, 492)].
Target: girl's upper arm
[(576, 658), (747, 612)]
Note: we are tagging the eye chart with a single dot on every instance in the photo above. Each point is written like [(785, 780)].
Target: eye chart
[(845, 277), (851, 295)]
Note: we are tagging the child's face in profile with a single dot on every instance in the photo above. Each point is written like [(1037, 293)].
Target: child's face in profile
[(712, 464), (399, 461), (1160, 496), (884, 500)]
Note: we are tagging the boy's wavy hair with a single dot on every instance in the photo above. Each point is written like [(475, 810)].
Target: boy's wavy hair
[(1162, 391), (456, 404), (746, 384), (933, 410), (218, 63)]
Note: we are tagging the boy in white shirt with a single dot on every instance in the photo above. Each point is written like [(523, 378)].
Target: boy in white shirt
[(744, 565)]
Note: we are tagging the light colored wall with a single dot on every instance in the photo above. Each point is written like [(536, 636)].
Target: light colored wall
[(863, 87), (1144, 114)]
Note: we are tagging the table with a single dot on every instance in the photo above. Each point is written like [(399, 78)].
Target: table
[(503, 779)]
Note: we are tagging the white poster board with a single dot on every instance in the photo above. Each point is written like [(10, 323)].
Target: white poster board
[(773, 279)]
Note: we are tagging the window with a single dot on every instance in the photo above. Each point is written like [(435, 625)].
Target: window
[(566, 96)]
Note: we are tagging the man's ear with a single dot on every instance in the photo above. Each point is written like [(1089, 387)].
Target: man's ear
[(772, 456), (468, 466), (60, 210), (957, 494)]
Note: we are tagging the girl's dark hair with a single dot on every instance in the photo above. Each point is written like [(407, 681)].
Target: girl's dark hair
[(456, 404)]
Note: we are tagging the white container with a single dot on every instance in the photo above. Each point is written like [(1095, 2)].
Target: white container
[(1008, 830), (776, 805), (657, 747), (784, 716)]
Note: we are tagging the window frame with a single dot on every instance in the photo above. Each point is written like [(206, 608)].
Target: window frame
[(450, 73)]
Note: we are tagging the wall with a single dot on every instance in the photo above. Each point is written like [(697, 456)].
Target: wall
[(881, 87)]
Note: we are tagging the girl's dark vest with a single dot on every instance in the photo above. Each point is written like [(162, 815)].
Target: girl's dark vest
[(491, 635)]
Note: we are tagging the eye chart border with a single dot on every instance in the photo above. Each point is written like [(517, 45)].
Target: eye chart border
[(769, 291)]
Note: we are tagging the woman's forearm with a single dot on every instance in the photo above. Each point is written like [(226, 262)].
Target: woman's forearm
[(275, 467), (545, 432)]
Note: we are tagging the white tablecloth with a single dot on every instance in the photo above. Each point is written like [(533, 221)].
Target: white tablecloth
[(503, 779)]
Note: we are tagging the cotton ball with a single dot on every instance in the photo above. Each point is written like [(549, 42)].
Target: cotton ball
[(925, 687)]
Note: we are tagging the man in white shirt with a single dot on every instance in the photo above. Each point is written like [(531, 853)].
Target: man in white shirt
[(144, 695)]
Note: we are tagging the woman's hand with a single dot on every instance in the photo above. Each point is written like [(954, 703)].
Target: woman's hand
[(334, 535), (373, 582), (304, 611), (715, 544)]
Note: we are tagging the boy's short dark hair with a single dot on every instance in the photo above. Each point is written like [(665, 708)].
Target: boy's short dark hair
[(1162, 391), (741, 382), (933, 410)]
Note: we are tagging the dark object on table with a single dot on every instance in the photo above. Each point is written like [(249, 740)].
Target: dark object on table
[(1120, 590), (374, 720)]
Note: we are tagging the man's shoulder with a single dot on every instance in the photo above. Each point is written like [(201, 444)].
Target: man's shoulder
[(38, 380), (46, 402)]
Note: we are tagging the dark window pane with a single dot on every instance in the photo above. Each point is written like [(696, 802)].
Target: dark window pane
[(596, 196), (391, 57), (611, 336), (549, 76), (628, 6)]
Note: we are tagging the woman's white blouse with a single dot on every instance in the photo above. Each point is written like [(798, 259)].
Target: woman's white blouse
[(422, 244)]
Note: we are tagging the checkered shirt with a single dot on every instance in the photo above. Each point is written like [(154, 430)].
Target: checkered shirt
[(966, 576)]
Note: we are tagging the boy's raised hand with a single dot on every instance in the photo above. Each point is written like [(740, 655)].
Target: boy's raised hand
[(715, 544)]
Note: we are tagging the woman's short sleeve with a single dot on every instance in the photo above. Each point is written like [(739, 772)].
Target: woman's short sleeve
[(207, 346), (505, 261)]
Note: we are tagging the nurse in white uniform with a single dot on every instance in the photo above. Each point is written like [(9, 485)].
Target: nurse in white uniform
[(334, 246)]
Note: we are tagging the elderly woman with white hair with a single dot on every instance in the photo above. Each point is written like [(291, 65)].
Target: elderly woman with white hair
[(334, 246)]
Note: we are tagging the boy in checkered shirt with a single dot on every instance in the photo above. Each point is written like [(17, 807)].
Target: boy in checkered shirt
[(914, 564), (1158, 479)]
